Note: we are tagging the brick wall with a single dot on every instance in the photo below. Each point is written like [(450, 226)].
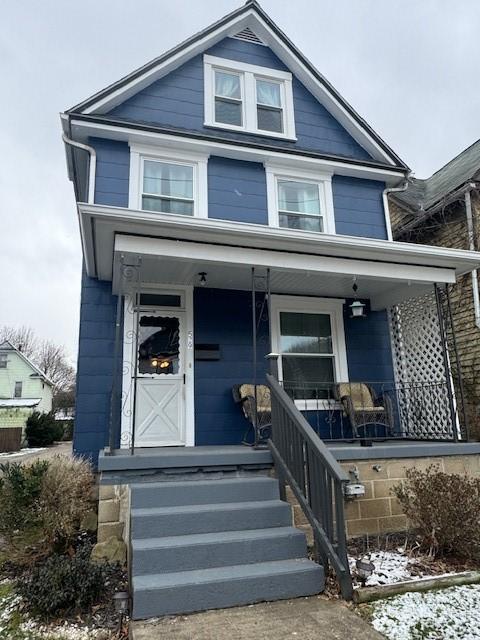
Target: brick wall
[(378, 511)]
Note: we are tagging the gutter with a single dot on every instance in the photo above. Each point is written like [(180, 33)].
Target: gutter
[(386, 208), (92, 164), (471, 243)]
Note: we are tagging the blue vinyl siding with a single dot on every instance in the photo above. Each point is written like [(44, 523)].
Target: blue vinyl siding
[(223, 317), (95, 367), (237, 190), (358, 207), (177, 101), (112, 175)]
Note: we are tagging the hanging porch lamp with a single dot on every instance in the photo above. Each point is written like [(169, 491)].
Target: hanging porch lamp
[(357, 308)]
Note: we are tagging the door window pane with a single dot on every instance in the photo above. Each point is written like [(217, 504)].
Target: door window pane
[(167, 188), (305, 333), (228, 98), (158, 345)]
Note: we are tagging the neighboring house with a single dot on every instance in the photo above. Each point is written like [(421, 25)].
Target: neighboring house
[(23, 387), (233, 206), (444, 210)]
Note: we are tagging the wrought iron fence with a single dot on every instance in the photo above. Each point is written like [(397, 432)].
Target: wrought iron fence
[(372, 410), (304, 463)]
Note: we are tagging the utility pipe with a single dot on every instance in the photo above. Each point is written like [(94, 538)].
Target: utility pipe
[(386, 207), (92, 164), (471, 243)]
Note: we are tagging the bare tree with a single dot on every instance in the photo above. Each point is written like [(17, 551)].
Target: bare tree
[(23, 338), (49, 357)]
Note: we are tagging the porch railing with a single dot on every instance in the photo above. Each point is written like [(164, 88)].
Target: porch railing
[(304, 463), (373, 410)]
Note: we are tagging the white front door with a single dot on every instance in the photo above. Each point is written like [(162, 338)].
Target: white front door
[(160, 386)]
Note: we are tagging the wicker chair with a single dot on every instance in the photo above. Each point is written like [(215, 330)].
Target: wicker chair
[(363, 408), (244, 394)]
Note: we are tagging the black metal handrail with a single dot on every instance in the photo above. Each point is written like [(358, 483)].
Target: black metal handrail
[(316, 479)]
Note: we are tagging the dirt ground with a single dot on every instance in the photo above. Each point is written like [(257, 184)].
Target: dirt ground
[(314, 618), (62, 448)]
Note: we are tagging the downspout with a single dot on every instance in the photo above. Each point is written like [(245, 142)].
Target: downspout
[(471, 243), (92, 164), (386, 192)]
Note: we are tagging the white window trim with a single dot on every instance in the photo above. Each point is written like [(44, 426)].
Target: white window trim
[(274, 172), (329, 306), (249, 73), (198, 161)]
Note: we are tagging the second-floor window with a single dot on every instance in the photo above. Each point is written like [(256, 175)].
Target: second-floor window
[(167, 187), (248, 98), (300, 200), (168, 182), (18, 390), (3, 360)]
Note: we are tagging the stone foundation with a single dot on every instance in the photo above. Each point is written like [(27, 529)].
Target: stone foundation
[(378, 511)]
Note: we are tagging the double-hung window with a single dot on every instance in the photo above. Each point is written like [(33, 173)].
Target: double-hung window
[(18, 390), (167, 182), (308, 335), (245, 97), (300, 200), (167, 187)]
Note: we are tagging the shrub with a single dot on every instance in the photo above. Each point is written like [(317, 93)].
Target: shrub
[(444, 509), (67, 426), (64, 499), (20, 488), (41, 429), (63, 583)]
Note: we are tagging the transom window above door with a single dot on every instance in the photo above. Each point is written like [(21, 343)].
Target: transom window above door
[(300, 200), (249, 98), (164, 181)]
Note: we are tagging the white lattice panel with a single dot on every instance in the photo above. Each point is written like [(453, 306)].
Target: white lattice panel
[(421, 379)]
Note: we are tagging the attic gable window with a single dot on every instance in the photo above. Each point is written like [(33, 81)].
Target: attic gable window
[(248, 98)]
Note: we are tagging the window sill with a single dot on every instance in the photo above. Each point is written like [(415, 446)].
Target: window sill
[(251, 132)]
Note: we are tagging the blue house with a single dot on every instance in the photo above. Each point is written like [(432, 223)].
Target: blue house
[(233, 212)]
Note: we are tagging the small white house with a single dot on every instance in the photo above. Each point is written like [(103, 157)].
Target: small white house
[(23, 387)]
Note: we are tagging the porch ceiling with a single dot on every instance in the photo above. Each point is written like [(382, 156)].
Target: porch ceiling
[(179, 263)]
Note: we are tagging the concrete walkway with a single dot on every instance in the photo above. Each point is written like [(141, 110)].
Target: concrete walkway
[(315, 618), (62, 448)]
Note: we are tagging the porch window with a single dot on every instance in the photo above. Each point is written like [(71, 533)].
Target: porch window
[(167, 187), (299, 205), (308, 362), (308, 334)]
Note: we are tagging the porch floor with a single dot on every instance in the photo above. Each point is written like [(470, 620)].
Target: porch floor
[(183, 457), (401, 449)]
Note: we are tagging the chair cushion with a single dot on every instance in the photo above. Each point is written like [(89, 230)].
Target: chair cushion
[(263, 395), (359, 394)]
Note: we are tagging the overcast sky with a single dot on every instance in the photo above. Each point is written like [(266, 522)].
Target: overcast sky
[(409, 67)]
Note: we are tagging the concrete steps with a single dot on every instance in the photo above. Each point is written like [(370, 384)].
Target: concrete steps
[(202, 544)]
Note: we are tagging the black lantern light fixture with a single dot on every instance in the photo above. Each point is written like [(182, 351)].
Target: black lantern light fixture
[(202, 278), (357, 308)]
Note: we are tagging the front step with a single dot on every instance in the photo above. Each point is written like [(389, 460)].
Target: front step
[(206, 544), (207, 518), (188, 591), (209, 550), (174, 494)]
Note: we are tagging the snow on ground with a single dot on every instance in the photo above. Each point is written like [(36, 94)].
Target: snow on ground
[(390, 567), (29, 628), (22, 452), (443, 614)]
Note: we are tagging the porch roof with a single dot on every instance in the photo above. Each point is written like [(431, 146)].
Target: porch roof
[(174, 249)]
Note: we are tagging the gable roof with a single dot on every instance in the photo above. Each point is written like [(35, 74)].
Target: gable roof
[(422, 195), (8, 346), (252, 17)]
